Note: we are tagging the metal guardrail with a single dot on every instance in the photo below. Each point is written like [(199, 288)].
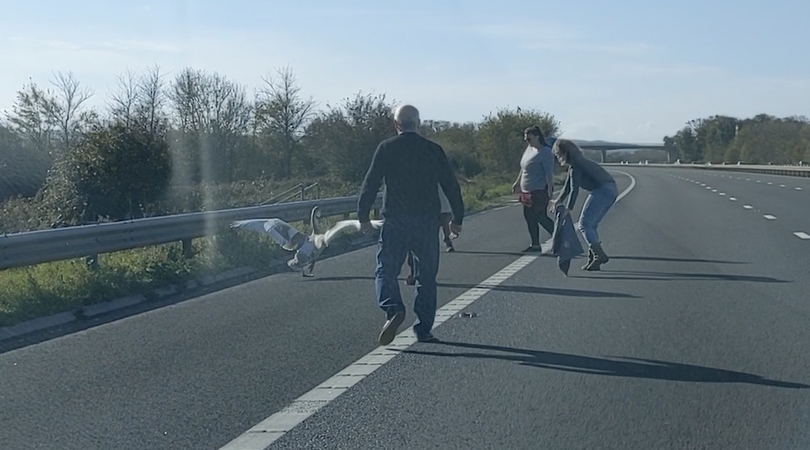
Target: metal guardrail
[(35, 247), (793, 171)]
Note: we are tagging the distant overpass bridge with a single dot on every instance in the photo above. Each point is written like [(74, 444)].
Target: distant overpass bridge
[(604, 147)]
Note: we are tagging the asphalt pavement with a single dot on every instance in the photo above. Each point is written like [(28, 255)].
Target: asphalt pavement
[(692, 336)]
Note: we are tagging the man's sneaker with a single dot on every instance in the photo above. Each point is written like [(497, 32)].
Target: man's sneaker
[(532, 248), (449, 246), (389, 330), (429, 338)]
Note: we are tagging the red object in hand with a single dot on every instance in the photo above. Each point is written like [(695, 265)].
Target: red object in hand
[(525, 198)]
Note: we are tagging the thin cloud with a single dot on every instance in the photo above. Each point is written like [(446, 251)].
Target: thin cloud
[(93, 46), (524, 31), (632, 69), (565, 45), (554, 37)]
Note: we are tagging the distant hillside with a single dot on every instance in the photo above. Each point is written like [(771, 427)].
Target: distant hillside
[(20, 174), (582, 142)]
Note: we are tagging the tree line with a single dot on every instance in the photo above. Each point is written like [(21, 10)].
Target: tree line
[(763, 139), (157, 141)]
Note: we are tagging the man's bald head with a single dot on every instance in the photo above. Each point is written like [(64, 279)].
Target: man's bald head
[(406, 118)]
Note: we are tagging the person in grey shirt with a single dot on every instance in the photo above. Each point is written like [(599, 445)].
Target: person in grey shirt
[(535, 184)]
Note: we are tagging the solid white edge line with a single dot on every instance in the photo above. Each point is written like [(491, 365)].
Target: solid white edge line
[(277, 425), (269, 430), (629, 188)]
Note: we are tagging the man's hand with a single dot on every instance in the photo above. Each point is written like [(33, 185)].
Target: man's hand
[(455, 230), (366, 228), (552, 205)]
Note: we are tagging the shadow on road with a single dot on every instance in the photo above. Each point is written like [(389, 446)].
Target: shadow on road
[(638, 275), (658, 258), (506, 288), (616, 366)]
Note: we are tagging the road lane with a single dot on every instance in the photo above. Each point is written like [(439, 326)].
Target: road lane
[(198, 373), (693, 336)]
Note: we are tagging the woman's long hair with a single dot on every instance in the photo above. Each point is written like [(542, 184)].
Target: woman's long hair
[(567, 149)]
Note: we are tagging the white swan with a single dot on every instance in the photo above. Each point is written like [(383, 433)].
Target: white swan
[(307, 248)]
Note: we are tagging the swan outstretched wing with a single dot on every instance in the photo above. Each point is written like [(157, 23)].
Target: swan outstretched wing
[(346, 225), (283, 233)]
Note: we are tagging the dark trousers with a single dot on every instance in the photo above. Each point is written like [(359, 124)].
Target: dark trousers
[(536, 216), (400, 235)]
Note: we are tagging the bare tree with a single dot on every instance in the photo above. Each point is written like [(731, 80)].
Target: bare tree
[(68, 115), (141, 101), (152, 100), (282, 115), (213, 116), (125, 100)]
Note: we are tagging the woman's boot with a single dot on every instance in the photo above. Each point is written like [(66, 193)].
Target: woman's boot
[(600, 257), (590, 259)]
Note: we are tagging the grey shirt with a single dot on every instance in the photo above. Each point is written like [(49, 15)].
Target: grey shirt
[(536, 168)]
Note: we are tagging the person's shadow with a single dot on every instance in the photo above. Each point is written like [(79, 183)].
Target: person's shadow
[(616, 366)]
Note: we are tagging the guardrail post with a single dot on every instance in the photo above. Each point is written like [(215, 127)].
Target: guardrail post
[(303, 192), (188, 250)]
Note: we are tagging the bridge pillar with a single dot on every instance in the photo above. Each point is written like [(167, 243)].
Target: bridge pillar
[(604, 155)]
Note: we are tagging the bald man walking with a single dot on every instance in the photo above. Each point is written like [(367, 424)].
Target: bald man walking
[(411, 167)]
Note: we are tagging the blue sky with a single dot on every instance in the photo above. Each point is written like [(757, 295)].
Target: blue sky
[(632, 71)]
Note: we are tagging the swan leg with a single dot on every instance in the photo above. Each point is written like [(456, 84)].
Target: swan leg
[(310, 267), (412, 263)]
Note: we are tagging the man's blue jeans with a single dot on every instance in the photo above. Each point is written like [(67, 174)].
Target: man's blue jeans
[(398, 236), (596, 206)]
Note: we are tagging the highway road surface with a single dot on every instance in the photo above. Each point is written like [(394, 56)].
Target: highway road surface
[(693, 336)]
